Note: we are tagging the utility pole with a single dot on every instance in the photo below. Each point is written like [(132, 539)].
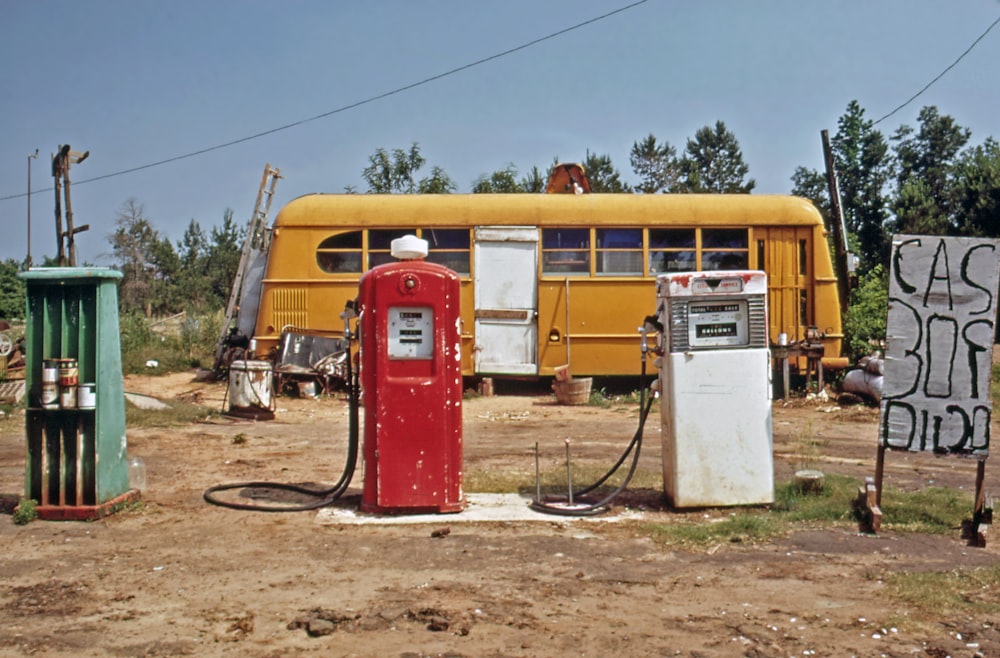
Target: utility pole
[(60, 172), (31, 156), (843, 263)]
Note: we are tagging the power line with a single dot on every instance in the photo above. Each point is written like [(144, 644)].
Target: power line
[(351, 106), (941, 74)]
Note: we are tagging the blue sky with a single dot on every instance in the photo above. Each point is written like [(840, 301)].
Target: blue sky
[(140, 82)]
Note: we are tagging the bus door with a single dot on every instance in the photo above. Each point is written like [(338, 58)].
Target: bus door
[(784, 253), (506, 294)]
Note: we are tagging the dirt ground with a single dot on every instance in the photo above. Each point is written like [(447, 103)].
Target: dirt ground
[(179, 577)]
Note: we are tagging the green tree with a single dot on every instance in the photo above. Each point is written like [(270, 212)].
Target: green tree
[(164, 295), (977, 190), (810, 184), (924, 161), (193, 285), (223, 259), (395, 173), (12, 291), (133, 246), (602, 175), (501, 181), (713, 163), (437, 183), (655, 164), (865, 317), (864, 169), (533, 181)]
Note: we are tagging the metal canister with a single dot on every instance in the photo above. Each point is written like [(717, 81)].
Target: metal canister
[(67, 397), (50, 384), (86, 396), (69, 374)]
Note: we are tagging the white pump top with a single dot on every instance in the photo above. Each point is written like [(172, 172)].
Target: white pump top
[(409, 247)]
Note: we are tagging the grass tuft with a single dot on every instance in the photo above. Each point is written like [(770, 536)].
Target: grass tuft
[(176, 414), (975, 592)]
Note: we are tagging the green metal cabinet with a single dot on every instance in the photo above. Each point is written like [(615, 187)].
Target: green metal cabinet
[(77, 465)]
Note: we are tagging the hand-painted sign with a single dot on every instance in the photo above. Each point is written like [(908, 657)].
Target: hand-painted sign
[(939, 339)]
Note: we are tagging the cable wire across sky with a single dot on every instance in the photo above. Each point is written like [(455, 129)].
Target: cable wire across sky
[(939, 75), (350, 106), (442, 75)]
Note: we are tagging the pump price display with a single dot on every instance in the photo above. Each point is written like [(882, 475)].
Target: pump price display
[(411, 332), (717, 324), (715, 330)]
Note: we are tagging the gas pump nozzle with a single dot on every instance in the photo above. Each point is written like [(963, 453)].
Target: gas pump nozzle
[(650, 325), (350, 312)]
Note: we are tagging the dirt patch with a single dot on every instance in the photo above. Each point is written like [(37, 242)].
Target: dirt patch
[(179, 577)]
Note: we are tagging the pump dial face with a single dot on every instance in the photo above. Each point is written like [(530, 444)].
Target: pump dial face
[(411, 332)]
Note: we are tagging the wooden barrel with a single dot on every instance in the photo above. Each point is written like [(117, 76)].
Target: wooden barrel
[(573, 391)]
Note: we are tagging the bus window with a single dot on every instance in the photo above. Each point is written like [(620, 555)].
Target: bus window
[(724, 249), (619, 250), (448, 247), (671, 250), (340, 253), (566, 250), (379, 243)]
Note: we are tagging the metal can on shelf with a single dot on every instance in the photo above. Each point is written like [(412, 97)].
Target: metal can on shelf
[(50, 371), (68, 373), (86, 396), (67, 397), (50, 395), (50, 384)]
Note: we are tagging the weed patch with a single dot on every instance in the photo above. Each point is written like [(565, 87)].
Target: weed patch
[(176, 413)]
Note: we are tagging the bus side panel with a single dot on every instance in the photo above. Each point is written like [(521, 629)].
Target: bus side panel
[(314, 305), (603, 320)]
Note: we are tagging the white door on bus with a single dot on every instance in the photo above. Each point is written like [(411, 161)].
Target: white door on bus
[(506, 292)]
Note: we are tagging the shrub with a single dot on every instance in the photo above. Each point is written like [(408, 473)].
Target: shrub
[(25, 512), (864, 322)]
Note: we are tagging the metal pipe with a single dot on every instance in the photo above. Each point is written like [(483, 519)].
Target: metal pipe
[(569, 474), (538, 481), (31, 156)]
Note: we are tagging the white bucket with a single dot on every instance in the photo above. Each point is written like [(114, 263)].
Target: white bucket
[(250, 384)]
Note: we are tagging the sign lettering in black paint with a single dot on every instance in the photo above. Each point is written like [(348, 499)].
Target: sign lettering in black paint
[(939, 339)]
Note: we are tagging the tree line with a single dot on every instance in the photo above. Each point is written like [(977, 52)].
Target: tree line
[(928, 179)]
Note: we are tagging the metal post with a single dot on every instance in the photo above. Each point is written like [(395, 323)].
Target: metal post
[(839, 231), (57, 166), (569, 475), (31, 156)]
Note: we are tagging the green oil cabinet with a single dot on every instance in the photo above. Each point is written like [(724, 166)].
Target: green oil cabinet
[(77, 465)]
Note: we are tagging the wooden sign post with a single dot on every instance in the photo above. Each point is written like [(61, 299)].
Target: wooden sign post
[(939, 337)]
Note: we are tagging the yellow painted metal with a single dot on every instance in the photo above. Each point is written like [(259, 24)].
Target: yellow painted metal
[(786, 239)]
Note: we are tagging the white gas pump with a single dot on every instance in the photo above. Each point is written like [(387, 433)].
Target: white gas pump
[(715, 404)]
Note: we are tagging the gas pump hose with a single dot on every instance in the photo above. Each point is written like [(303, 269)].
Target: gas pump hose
[(325, 496), (592, 509)]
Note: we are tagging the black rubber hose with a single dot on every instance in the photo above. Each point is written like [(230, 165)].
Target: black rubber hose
[(326, 496), (600, 506)]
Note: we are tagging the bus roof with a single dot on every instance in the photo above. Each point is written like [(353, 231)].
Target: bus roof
[(419, 210)]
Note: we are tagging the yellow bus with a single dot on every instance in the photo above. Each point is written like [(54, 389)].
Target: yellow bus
[(549, 279)]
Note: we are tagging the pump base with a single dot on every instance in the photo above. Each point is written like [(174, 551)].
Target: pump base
[(445, 508), (86, 512), (250, 413)]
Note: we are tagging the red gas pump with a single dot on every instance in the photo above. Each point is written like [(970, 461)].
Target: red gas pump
[(411, 380)]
